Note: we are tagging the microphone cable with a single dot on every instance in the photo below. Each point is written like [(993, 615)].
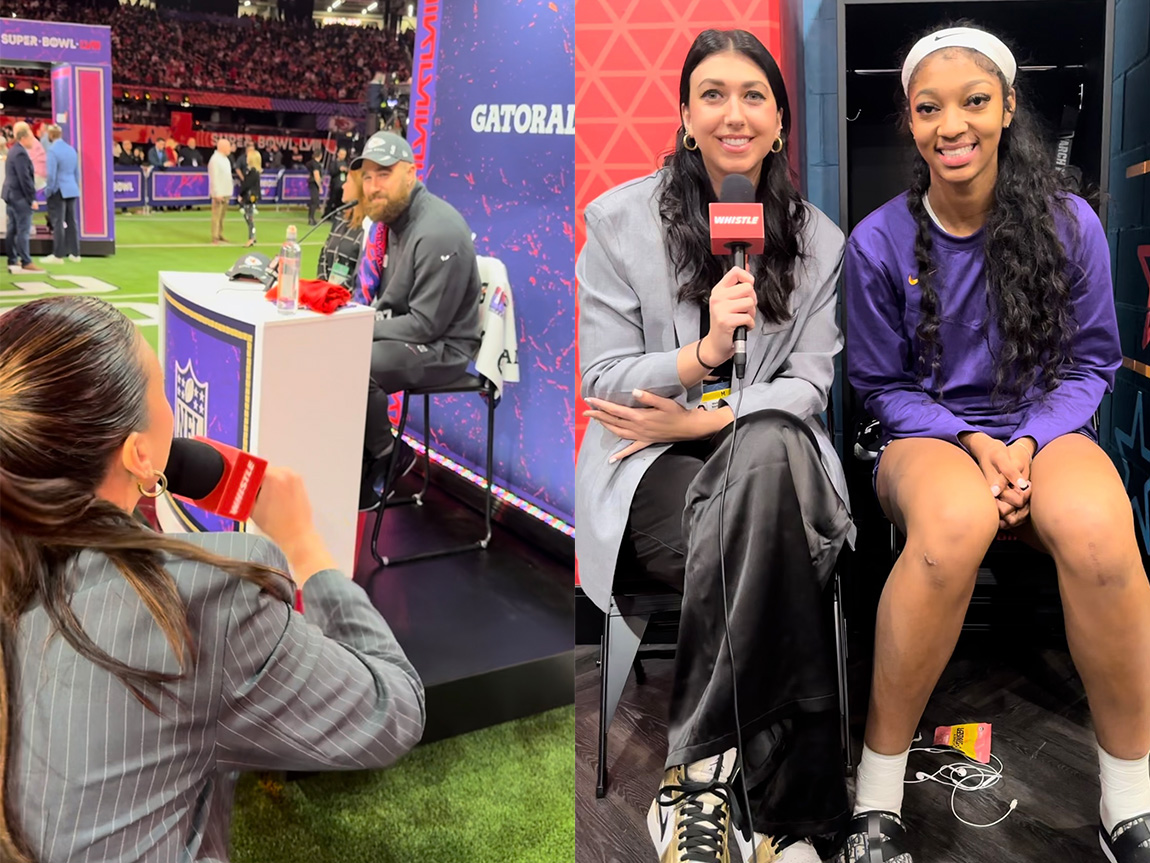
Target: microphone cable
[(739, 754), (346, 206)]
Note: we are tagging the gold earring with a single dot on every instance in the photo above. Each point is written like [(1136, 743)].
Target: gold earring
[(693, 146), (777, 147), (160, 487)]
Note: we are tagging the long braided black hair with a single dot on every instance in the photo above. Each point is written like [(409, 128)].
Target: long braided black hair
[(1028, 291), (687, 190)]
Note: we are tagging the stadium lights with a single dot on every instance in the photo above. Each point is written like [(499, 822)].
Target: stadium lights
[(373, 6), (29, 90)]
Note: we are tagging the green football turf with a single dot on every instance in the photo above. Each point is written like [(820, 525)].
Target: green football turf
[(500, 795), (161, 241)]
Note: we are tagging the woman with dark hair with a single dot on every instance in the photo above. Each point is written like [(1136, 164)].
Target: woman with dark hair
[(339, 258), (658, 312), (983, 338), (139, 671)]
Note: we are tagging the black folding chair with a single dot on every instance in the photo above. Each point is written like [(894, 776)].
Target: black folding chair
[(466, 384)]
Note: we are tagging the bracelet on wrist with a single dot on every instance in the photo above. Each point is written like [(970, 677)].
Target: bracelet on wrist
[(699, 359)]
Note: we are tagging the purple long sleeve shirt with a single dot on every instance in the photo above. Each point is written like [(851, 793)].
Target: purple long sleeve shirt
[(884, 307)]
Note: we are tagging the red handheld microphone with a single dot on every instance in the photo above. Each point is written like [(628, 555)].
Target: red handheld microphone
[(737, 228), (215, 476)]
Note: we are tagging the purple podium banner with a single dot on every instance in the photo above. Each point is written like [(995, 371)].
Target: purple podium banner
[(52, 42), (128, 187), (208, 383)]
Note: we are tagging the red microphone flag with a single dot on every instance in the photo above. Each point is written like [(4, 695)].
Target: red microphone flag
[(736, 224)]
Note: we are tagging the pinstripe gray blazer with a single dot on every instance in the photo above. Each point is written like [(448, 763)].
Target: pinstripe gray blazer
[(97, 777), (631, 326)]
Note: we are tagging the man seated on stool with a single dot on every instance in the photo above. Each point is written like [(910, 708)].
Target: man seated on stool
[(419, 272)]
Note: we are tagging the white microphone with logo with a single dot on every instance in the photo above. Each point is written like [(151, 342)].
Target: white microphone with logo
[(737, 227)]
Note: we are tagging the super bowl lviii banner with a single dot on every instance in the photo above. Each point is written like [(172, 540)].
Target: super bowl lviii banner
[(492, 127)]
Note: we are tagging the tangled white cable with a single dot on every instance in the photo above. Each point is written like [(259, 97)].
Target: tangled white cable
[(968, 775)]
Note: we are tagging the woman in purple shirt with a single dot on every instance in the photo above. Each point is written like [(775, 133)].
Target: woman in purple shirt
[(983, 337)]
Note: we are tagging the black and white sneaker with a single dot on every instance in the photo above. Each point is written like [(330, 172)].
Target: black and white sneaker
[(690, 817), (875, 835), (1129, 842)]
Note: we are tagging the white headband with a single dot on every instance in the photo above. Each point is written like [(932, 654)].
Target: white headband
[(984, 43)]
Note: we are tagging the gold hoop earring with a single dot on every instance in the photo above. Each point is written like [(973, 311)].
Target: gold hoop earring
[(160, 487), (777, 147), (693, 146)]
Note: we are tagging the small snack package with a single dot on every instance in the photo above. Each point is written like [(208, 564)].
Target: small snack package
[(972, 739)]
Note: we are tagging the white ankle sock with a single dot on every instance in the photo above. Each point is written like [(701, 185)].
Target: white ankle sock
[(880, 781), (1125, 788)]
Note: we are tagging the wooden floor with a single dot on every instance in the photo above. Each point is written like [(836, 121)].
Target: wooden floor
[(1041, 733)]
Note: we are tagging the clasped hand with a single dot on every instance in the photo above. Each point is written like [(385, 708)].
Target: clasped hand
[(659, 420), (1007, 472)]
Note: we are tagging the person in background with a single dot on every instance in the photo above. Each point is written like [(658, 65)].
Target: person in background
[(337, 175), (139, 157), (314, 182), (157, 156), (275, 158), (19, 193), (250, 192), (190, 156), (63, 191), (220, 187), (122, 155), (339, 259)]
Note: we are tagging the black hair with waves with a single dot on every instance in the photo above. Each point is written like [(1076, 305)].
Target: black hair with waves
[(687, 190), (1028, 290)]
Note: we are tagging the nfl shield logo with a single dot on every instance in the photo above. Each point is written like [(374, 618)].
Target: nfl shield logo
[(191, 403)]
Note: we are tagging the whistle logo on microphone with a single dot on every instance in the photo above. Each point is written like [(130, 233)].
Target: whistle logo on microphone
[(736, 225)]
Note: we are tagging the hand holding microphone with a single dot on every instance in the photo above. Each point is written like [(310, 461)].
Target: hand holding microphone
[(239, 485), (732, 307), (737, 228)]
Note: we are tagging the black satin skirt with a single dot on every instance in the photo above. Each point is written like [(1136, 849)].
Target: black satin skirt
[(782, 527)]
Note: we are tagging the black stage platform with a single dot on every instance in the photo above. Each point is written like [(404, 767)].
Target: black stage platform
[(490, 632)]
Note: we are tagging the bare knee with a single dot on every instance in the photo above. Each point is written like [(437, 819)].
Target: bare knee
[(1093, 545), (949, 540)]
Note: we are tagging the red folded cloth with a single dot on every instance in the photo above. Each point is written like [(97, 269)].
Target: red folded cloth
[(317, 295)]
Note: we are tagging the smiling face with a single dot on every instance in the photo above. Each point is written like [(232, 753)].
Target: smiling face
[(733, 115), (387, 189), (957, 114)]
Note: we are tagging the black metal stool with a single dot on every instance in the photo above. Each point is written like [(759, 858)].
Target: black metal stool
[(465, 384)]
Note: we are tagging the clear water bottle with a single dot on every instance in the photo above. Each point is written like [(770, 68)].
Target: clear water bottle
[(289, 260)]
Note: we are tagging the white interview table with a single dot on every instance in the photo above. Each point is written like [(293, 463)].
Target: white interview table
[(291, 389)]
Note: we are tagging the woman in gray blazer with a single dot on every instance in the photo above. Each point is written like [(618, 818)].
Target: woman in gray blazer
[(139, 672), (657, 314)]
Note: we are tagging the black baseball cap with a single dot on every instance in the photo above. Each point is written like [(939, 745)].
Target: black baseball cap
[(384, 148), (253, 267)]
